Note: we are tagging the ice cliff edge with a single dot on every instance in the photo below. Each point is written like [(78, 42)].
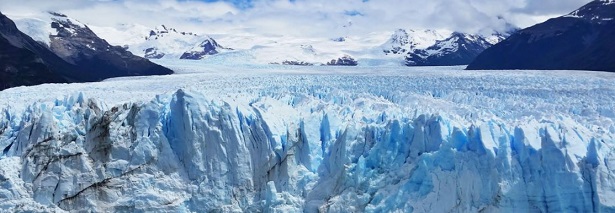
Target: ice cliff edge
[(186, 152)]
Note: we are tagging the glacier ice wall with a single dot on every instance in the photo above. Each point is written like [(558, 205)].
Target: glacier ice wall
[(294, 153)]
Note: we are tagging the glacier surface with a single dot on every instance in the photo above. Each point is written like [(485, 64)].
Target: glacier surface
[(317, 139)]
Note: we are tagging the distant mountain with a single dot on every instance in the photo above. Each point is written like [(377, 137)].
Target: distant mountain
[(343, 61), (405, 41), (162, 42), (458, 49), (208, 47), (70, 52), (410, 47), (581, 40), (438, 47)]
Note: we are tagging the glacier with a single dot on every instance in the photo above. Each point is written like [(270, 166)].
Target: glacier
[(311, 141)]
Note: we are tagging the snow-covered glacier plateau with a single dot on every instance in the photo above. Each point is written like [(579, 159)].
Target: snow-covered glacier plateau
[(312, 139)]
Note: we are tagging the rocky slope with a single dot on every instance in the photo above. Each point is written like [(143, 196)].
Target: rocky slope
[(77, 44), (343, 61), (24, 61), (581, 40), (70, 52)]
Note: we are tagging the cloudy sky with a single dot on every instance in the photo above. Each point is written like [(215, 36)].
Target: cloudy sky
[(303, 17)]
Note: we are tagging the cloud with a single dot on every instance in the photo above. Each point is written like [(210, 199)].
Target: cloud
[(112, 12), (303, 17), (325, 17)]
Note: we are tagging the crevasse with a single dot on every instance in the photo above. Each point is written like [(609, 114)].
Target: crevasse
[(295, 153)]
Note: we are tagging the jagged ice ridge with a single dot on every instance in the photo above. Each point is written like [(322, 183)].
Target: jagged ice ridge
[(332, 143)]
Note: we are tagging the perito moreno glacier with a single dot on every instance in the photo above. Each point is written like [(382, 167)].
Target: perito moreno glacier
[(312, 141)]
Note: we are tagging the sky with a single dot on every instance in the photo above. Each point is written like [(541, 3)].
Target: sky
[(326, 18)]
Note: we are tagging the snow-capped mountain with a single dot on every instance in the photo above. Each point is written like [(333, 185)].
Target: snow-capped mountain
[(405, 41), (24, 61), (208, 47), (580, 40), (78, 45), (262, 50), (162, 42), (437, 47), (373, 49), (595, 11), (68, 51), (72, 40), (165, 42), (458, 49)]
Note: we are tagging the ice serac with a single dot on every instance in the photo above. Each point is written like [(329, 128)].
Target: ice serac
[(292, 153)]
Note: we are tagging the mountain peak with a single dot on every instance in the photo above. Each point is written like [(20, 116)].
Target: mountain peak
[(596, 11), (166, 42), (57, 14), (207, 47), (400, 36), (457, 49), (403, 41), (163, 30), (608, 1)]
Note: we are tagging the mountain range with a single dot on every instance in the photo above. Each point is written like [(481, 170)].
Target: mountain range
[(412, 47), (169, 43), (438, 47), (54, 48)]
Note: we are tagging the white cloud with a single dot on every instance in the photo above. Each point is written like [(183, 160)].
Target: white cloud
[(189, 14), (304, 17)]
